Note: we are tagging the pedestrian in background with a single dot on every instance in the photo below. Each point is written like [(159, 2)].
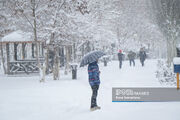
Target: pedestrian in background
[(142, 56), (120, 58), (131, 56)]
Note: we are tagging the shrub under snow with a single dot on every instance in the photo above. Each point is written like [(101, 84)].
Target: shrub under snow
[(165, 74)]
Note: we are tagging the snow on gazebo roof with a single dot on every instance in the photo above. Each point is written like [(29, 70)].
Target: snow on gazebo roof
[(17, 36)]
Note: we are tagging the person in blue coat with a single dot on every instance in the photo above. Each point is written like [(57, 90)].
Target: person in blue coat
[(94, 81)]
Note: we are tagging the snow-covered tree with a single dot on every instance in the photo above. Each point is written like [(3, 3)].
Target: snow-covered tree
[(167, 17)]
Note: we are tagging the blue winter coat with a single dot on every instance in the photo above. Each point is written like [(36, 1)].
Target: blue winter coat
[(93, 71)]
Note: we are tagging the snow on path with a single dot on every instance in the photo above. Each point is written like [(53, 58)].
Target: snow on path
[(137, 76), (24, 98)]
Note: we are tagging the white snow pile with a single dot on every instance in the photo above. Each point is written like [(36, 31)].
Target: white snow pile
[(17, 36), (176, 60), (165, 74)]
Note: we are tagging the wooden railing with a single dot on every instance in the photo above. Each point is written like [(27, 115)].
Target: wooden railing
[(24, 66)]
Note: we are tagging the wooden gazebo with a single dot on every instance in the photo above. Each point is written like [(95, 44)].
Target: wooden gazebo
[(18, 53)]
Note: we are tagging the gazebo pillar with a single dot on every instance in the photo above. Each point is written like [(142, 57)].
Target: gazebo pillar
[(2, 58), (15, 51), (8, 58)]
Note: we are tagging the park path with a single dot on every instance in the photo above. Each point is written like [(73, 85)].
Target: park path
[(24, 98)]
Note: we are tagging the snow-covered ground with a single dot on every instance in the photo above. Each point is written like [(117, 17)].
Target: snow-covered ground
[(24, 98)]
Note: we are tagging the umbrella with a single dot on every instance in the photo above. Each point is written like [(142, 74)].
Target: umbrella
[(91, 57)]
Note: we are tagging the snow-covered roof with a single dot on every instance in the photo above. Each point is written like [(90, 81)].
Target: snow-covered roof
[(17, 36)]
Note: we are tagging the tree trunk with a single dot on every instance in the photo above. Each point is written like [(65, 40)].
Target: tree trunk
[(35, 39), (74, 52), (43, 72), (36, 43), (47, 59), (168, 52), (67, 61), (56, 65)]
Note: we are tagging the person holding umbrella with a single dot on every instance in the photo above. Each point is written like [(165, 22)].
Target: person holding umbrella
[(91, 59), (94, 81)]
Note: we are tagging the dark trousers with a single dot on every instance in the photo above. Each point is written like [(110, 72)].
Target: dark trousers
[(120, 64), (142, 61), (94, 95), (132, 61)]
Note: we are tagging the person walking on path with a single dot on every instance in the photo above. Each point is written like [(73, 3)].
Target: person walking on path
[(94, 81), (120, 58), (131, 57), (142, 56)]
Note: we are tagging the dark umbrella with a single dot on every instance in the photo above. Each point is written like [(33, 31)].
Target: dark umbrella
[(91, 57)]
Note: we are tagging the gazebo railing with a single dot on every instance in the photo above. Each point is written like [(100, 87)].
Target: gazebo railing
[(24, 66)]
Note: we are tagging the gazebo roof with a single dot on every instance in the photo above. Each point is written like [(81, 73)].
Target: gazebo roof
[(17, 37)]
